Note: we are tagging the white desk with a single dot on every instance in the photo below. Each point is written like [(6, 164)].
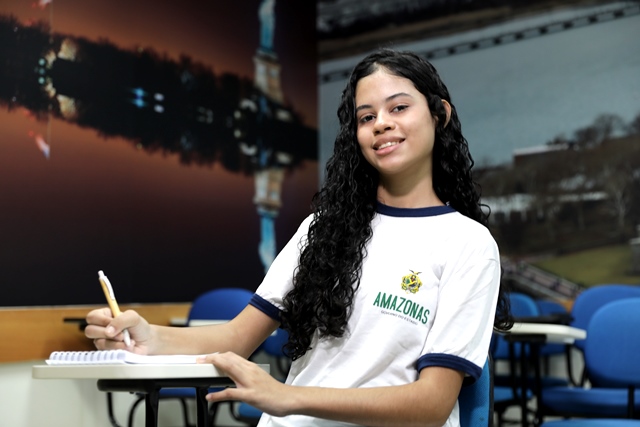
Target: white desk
[(148, 379), (553, 333), (129, 371)]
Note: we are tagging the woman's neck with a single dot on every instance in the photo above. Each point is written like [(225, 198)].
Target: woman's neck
[(406, 195)]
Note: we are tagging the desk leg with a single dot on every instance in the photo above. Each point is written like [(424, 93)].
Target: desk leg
[(535, 356), (524, 384), (202, 408), (112, 417), (151, 408)]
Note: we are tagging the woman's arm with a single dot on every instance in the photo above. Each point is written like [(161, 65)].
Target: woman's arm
[(426, 402), (242, 335)]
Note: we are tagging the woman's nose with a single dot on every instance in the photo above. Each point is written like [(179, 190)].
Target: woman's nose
[(383, 123)]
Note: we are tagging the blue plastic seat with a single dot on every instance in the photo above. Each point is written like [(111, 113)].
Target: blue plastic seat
[(592, 299), (611, 360), (475, 401), (587, 303)]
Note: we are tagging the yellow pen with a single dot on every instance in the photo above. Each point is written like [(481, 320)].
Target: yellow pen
[(113, 304)]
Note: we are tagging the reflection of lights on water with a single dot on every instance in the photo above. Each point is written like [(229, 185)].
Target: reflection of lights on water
[(185, 142), (248, 104), (139, 92), (248, 150), (68, 50), (284, 158), (205, 115), (140, 102), (43, 146), (49, 89), (67, 107), (283, 115), (50, 58)]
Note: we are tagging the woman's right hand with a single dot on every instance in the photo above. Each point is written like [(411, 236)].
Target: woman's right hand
[(106, 331)]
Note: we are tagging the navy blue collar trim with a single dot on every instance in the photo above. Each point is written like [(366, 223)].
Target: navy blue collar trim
[(414, 212)]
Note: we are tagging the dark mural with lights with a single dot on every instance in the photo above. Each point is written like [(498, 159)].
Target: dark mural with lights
[(176, 157)]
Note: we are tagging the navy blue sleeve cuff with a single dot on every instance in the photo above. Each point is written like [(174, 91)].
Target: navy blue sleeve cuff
[(453, 362), (265, 306)]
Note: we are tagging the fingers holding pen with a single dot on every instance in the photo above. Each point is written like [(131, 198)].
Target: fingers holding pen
[(108, 332)]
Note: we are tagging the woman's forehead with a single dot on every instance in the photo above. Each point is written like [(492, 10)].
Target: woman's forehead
[(381, 84)]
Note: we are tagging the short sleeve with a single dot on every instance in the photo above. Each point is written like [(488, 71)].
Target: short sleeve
[(279, 278), (463, 325)]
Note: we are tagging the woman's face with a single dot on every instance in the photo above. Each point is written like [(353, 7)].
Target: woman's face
[(396, 131)]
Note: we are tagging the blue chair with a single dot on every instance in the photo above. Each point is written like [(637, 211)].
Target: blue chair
[(549, 307), (592, 299), (522, 305), (217, 304), (475, 401), (611, 357), (587, 303)]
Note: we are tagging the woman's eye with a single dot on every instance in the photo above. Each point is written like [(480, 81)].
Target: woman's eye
[(400, 108), (365, 119)]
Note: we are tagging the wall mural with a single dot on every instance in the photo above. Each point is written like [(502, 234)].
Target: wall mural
[(547, 93), (173, 146)]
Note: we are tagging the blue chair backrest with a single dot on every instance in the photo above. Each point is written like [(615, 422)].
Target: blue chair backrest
[(592, 299), (274, 344), (220, 304), (475, 402), (551, 307), (522, 305), (613, 344)]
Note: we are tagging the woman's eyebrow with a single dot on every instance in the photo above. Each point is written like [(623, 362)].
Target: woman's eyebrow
[(387, 99)]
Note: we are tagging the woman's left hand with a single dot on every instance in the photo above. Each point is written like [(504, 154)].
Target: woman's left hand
[(253, 385)]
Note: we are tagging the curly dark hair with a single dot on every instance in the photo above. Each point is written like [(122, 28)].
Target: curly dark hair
[(330, 263)]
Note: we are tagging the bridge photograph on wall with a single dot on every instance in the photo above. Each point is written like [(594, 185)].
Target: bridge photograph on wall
[(171, 145)]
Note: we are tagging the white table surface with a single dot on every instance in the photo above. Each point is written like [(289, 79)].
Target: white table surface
[(128, 371), (557, 334)]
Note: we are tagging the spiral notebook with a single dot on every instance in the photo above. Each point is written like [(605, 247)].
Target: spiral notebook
[(110, 357)]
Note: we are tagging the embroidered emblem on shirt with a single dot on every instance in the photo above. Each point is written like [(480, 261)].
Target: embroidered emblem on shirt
[(411, 282)]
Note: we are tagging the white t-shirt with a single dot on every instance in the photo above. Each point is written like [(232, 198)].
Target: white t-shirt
[(427, 297)]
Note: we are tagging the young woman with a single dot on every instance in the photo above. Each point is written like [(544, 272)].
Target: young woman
[(388, 291)]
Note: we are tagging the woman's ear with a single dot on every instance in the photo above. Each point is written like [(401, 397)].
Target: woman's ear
[(447, 109)]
